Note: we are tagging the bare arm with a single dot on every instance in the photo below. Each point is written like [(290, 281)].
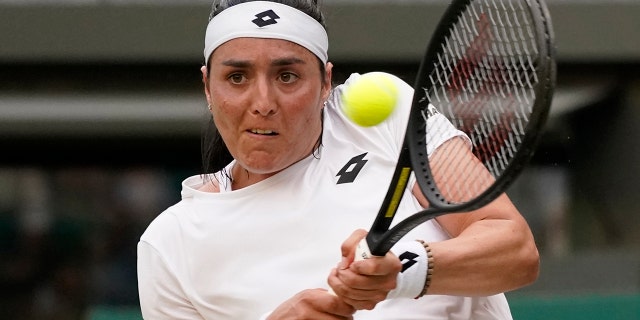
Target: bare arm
[(492, 249)]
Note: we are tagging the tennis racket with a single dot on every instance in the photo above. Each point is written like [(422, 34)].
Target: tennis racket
[(490, 70)]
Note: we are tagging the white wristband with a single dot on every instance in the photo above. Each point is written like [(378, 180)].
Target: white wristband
[(410, 281)]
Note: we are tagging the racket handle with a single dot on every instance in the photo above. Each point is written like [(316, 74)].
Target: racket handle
[(362, 250)]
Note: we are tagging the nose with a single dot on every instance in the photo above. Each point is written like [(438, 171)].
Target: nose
[(263, 98)]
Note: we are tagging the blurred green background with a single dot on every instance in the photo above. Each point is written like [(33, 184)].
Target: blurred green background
[(101, 108)]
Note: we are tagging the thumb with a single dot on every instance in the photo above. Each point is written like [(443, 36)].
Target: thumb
[(348, 247)]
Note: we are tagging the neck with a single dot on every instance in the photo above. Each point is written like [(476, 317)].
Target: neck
[(244, 178)]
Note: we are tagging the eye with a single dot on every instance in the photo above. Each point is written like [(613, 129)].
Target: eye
[(237, 78), (288, 77)]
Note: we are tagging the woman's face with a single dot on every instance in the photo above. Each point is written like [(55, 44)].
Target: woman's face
[(266, 98)]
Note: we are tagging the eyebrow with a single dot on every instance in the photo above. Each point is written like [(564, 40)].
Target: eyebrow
[(277, 62)]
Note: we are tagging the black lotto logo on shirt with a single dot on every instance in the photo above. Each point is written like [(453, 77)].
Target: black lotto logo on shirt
[(350, 171), (265, 18)]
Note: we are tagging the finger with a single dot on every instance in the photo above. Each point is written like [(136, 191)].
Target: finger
[(347, 280), (346, 284), (363, 299), (378, 266), (348, 247)]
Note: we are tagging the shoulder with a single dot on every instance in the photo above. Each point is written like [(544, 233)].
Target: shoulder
[(392, 128), (404, 89), (165, 227), (394, 78)]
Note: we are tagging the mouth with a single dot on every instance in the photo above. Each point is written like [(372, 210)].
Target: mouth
[(263, 132)]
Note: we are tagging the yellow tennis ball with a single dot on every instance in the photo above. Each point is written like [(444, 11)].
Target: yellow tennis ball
[(370, 99)]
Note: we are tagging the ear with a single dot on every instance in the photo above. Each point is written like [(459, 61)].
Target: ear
[(205, 82), (327, 85)]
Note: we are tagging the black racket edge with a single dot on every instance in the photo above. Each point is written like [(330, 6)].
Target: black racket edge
[(380, 238), (546, 72), (399, 181)]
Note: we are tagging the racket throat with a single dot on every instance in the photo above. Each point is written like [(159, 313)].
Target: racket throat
[(390, 204)]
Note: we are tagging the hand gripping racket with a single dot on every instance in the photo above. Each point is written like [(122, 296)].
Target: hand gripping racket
[(490, 70)]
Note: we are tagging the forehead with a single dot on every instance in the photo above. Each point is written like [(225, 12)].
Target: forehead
[(255, 48)]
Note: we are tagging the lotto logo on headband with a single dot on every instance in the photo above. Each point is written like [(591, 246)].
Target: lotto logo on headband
[(265, 18)]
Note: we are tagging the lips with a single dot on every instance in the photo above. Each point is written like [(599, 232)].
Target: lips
[(263, 132)]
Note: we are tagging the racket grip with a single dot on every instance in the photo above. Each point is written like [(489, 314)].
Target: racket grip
[(362, 250)]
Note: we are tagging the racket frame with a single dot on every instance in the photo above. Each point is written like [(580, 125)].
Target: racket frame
[(380, 237)]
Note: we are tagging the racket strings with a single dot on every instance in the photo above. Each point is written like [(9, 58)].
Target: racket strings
[(483, 81)]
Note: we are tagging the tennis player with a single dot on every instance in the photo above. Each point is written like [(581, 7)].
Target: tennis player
[(289, 186)]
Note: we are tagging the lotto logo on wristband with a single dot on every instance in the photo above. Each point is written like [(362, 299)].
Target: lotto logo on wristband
[(407, 259)]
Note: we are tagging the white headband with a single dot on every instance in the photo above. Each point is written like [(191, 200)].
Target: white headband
[(264, 19)]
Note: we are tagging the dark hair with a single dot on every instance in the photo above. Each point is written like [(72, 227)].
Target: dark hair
[(310, 7), (215, 154)]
